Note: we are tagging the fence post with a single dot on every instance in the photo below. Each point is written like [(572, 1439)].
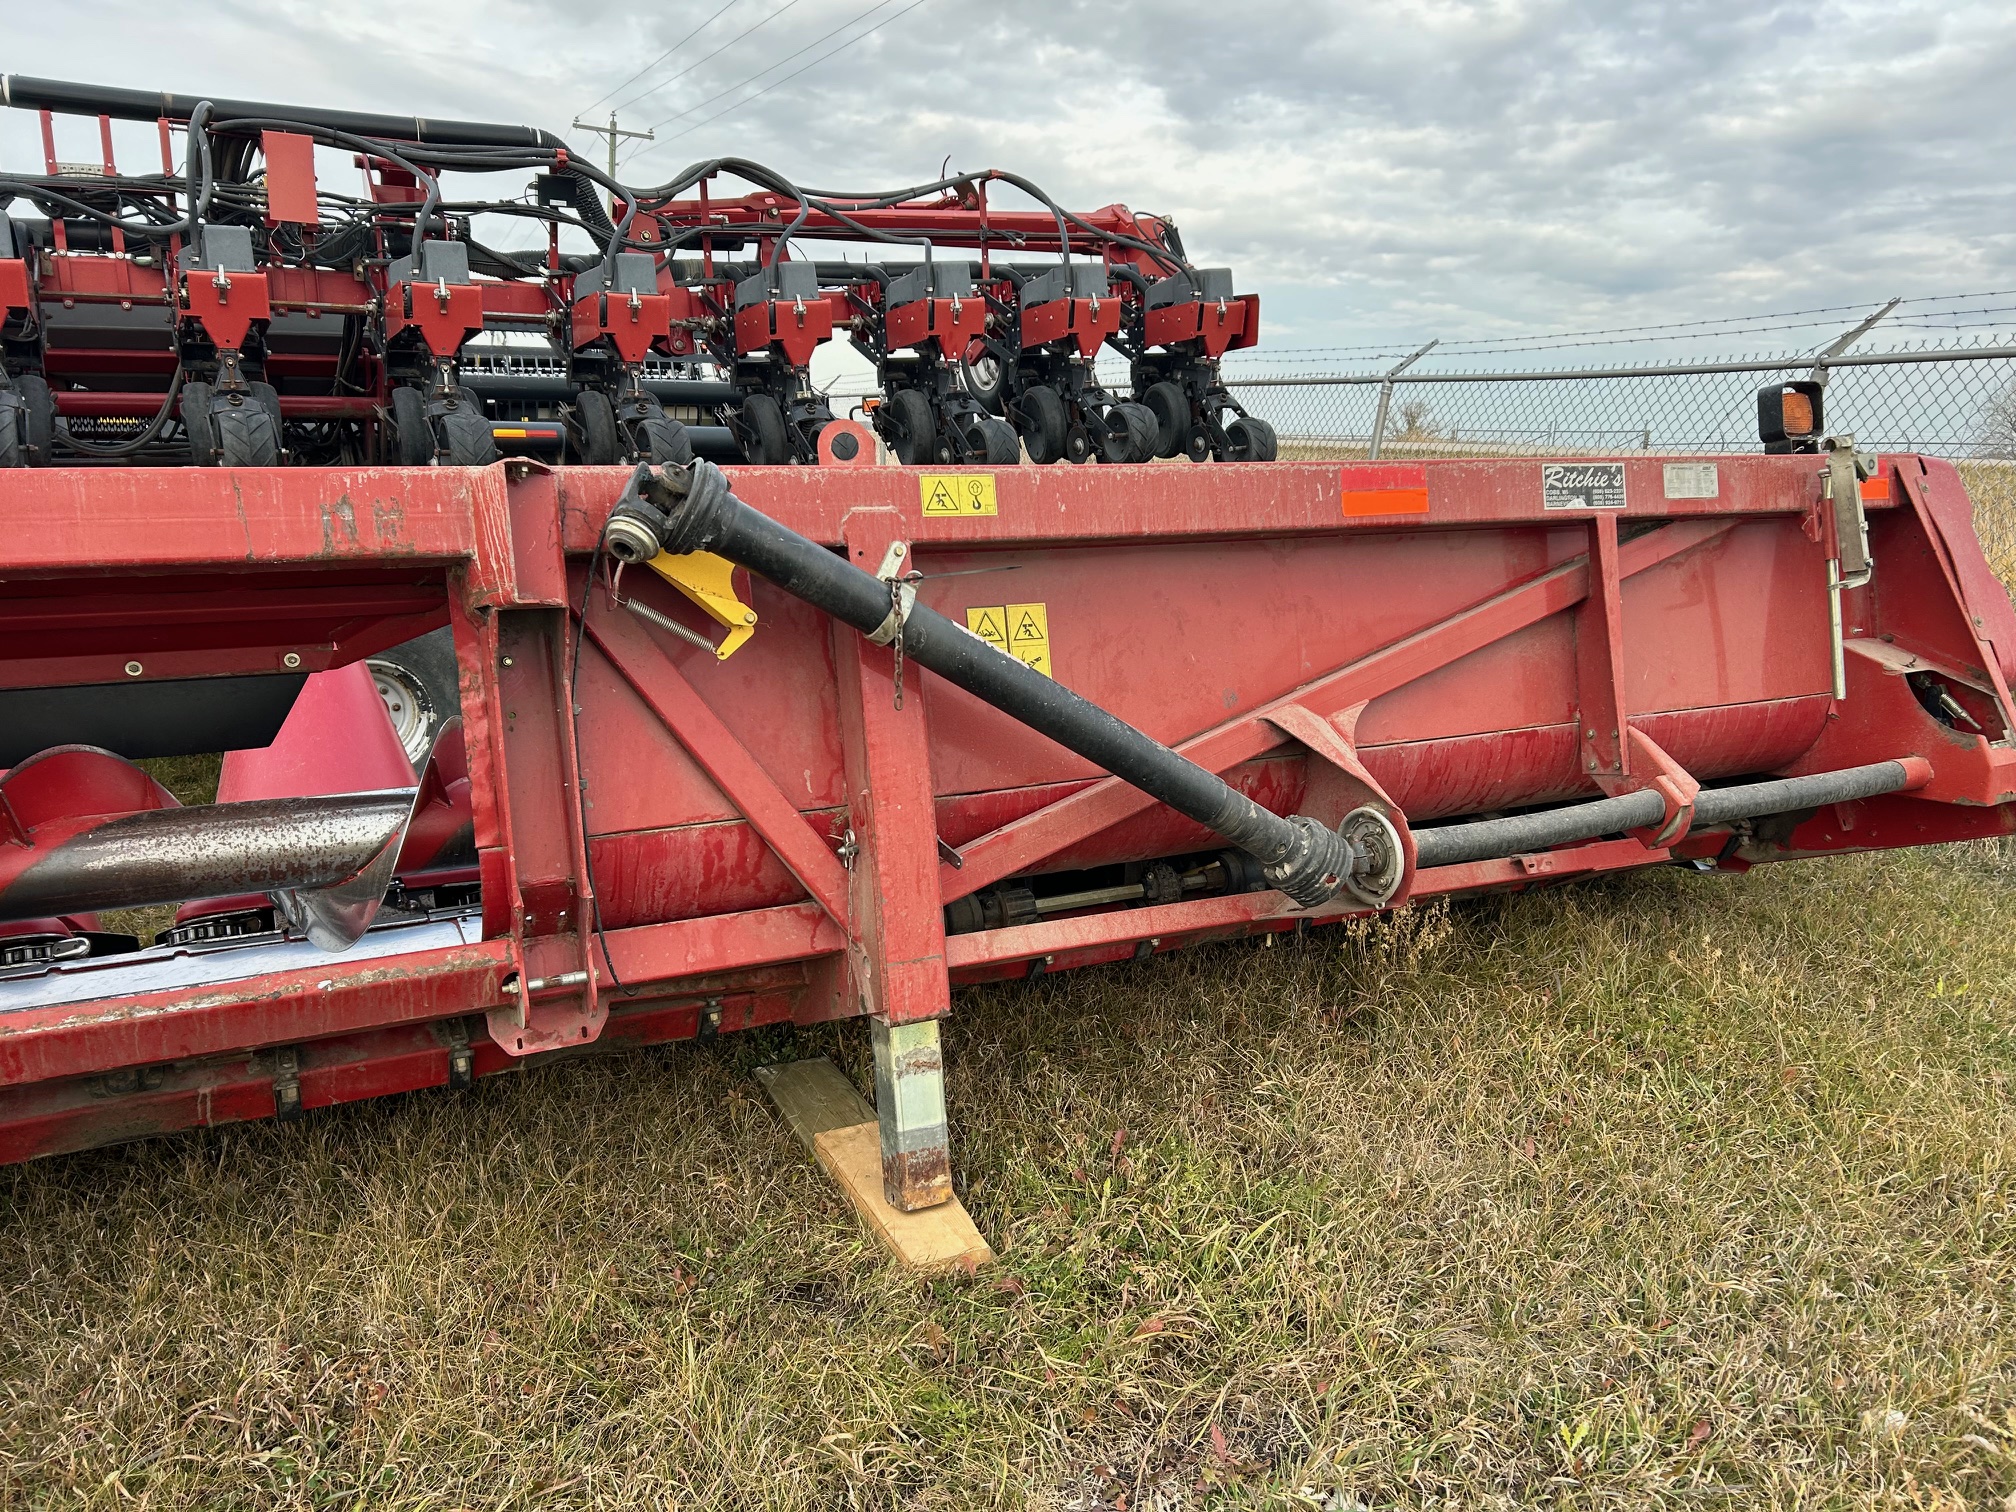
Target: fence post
[(1386, 397)]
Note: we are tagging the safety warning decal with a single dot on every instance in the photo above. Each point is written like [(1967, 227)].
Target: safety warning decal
[(958, 494), (1582, 485), (1020, 630)]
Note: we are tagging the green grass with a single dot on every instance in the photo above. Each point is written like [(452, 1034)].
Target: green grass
[(1658, 1191), (1666, 1190)]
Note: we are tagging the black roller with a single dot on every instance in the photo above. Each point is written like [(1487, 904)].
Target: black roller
[(691, 509), (1523, 834)]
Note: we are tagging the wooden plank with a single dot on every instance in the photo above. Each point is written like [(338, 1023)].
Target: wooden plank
[(932, 1239), (814, 1096), (838, 1126)]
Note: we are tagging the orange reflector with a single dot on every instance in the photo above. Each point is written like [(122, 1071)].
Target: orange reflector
[(1797, 411), (1385, 490), (1875, 490), (504, 433)]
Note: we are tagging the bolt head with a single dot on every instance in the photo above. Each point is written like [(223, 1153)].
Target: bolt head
[(134, 669), (291, 660)]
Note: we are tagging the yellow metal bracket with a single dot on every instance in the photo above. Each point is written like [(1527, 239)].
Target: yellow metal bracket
[(709, 581)]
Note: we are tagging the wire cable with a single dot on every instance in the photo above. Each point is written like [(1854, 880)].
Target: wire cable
[(746, 31), (660, 58), (744, 83), (795, 72)]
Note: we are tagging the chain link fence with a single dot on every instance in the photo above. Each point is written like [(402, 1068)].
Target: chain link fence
[(1954, 401)]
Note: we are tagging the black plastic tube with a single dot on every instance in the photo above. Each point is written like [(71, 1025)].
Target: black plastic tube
[(60, 95), (1522, 834), (691, 509)]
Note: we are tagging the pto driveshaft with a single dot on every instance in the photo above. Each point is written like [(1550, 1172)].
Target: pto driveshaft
[(687, 509)]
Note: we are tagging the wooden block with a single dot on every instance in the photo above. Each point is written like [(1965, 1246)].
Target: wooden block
[(838, 1126), (814, 1096), (935, 1239)]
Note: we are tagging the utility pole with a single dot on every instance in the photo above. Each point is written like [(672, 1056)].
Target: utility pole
[(613, 131)]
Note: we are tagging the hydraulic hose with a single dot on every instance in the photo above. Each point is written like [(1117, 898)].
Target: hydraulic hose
[(61, 96), (1522, 834), (686, 509)]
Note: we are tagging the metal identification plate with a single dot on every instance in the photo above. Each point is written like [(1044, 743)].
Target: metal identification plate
[(1582, 485), (1693, 480)]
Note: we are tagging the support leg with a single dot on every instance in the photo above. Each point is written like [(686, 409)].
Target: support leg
[(910, 1107)]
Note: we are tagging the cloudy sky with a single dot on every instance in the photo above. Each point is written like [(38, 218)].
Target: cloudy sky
[(1380, 170)]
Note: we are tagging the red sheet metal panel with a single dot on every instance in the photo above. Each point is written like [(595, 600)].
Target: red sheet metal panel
[(1441, 617)]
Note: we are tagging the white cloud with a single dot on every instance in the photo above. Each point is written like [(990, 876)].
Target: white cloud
[(1377, 170)]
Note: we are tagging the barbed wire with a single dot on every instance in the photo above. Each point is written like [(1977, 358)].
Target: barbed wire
[(1696, 329)]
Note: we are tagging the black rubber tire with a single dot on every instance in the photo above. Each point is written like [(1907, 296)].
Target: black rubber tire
[(422, 678), (1079, 445), (38, 412), (1171, 408), (999, 445), (1130, 434), (764, 441), (664, 441), (412, 436), (196, 422), (1043, 423), (601, 444), (1252, 439), (465, 434), (246, 435), (13, 436), (1197, 443), (269, 400), (915, 431)]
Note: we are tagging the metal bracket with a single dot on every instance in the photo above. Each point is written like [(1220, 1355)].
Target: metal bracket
[(1851, 566), (902, 595), (287, 1084), (461, 1059), (709, 581), (1842, 486)]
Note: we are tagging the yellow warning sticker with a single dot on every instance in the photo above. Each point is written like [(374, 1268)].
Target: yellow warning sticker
[(1020, 630), (990, 624), (958, 494), (1029, 635)]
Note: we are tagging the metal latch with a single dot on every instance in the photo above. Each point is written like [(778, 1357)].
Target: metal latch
[(709, 581), (1841, 485), (1851, 566)]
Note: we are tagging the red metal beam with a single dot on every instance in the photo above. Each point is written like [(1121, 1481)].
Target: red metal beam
[(1022, 844), (721, 755)]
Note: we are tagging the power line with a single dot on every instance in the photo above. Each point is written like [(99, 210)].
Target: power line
[(668, 83), (743, 83), (661, 57), (797, 71)]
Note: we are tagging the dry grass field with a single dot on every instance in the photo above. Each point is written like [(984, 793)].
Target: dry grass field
[(1660, 1191)]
